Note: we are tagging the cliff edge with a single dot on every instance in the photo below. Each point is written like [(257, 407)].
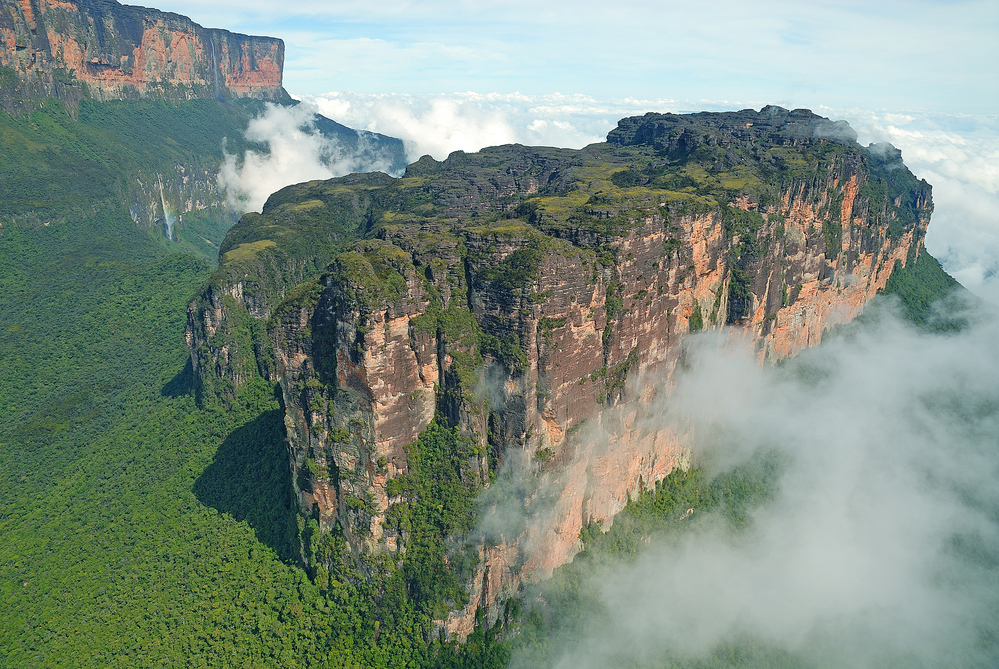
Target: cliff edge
[(70, 49)]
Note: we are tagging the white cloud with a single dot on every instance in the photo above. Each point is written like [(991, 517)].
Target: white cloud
[(469, 121), (434, 125), (890, 440), (297, 153)]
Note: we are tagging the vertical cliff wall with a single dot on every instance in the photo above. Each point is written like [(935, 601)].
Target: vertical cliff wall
[(538, 300), (70, 49)]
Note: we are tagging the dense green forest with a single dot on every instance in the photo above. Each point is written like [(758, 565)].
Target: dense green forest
[(139, 529), (56, 168)]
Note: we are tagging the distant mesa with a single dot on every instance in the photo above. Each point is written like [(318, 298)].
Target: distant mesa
[(71, 49)]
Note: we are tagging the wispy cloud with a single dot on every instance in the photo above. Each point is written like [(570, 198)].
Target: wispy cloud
[(921, 54), (297, 152)]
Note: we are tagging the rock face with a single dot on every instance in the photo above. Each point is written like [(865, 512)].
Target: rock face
[(162, 200), (73, 48), (538, 300)]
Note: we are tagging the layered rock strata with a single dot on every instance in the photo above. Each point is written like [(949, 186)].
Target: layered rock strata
[(73, 48), (538, 299)]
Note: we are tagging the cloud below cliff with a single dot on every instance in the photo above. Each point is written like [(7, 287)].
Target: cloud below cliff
[(882, 543), (296, 151)]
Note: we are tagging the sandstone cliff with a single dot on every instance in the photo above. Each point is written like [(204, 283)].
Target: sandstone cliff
[(70, 49), (538, 299), (143, 85)]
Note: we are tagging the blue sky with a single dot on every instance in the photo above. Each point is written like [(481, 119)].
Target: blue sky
[(921, 55)]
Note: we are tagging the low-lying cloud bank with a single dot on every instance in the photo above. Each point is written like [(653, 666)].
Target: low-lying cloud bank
[(440, 124), (882, 545), (297, 152)]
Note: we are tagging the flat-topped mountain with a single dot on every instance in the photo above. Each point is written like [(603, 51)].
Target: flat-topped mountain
[(140, 108), (70, 49), (518, 293)]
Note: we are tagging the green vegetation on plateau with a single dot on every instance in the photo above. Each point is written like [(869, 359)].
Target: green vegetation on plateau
[(585, 196), (368, 230)]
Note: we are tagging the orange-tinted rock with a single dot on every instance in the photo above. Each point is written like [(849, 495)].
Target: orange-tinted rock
[(70, 49)]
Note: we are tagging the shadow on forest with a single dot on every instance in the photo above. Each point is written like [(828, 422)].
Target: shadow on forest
[(250, 480), (181, 384)]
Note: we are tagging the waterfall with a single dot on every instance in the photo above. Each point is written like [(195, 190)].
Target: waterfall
[(167, 220)]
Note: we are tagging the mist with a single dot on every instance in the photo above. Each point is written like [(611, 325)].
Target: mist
[(297, 152), (882, 545)]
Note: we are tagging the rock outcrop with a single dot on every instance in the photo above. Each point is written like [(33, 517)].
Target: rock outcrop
[(538, 300), (70, 49)]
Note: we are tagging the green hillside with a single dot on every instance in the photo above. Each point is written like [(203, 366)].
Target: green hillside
[(920, 286), (55, 168)]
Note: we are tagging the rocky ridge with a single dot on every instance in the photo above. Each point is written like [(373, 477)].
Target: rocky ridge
[(537, 300)]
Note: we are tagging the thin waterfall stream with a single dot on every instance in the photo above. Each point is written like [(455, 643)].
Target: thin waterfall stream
[(167, 219)]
